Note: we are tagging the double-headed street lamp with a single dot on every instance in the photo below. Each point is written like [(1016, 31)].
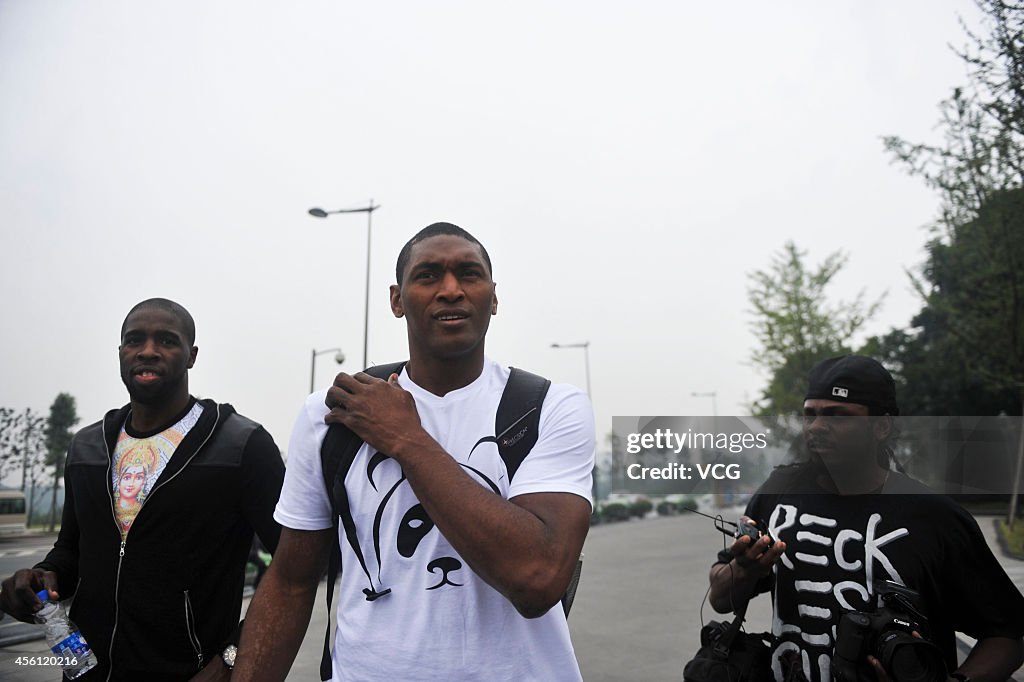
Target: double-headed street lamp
[(368, 210), (339, 358), (586, 357)]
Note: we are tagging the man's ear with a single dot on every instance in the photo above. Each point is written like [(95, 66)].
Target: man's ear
[(396, 301), (192, 356), (494, 298)]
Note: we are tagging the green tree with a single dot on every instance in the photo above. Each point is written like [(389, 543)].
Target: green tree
[(965, 351), (983, 122), (63, 416), (22, 449), (795, 325), (9, 438), (21, 445)]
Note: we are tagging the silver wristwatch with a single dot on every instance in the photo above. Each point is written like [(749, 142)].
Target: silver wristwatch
[(228, 656)]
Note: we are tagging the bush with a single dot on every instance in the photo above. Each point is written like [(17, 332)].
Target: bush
[(615, 511), (683, 502), (640, 508), (667, 508)]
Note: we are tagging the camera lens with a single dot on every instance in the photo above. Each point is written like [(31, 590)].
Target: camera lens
[(909, 659)]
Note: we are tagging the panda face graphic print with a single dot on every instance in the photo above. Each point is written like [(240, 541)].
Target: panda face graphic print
[(398, 541)]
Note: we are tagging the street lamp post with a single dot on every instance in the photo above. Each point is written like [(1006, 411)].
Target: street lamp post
[(1011, 517), (586, 358), (586, 361), (368, 210), (339, 358)]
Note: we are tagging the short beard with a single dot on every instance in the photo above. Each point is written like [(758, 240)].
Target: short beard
[(155, 396)]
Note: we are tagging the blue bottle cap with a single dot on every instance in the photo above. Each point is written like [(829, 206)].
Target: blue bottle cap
[(43, 595)]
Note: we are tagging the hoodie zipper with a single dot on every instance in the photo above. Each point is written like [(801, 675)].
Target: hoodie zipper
[(190, 626), (124, 539)]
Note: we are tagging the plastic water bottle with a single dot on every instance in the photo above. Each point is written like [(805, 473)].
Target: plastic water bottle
[(65, 639)]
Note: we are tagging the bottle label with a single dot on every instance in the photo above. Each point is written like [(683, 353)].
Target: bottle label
[(73, 644)]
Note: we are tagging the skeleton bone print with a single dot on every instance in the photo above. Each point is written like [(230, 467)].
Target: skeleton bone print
[(837, 546), (829, 568)]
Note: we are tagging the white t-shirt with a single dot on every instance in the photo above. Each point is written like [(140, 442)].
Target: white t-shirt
[(440, 621)]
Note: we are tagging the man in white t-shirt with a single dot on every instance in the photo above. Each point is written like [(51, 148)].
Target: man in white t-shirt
[(446, 579)]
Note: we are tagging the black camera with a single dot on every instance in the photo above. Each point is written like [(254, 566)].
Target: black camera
[(886, 634)]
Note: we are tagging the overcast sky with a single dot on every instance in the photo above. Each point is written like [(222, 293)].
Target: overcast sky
[(626, 165)]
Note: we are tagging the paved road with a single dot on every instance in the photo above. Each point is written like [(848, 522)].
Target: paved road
[(637, 612), (20, 552)]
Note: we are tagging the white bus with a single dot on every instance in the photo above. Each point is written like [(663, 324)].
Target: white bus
[(12, 511)]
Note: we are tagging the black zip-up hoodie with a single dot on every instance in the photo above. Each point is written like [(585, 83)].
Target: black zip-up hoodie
[(162, 604)]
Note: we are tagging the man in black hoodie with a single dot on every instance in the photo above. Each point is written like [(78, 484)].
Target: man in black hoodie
[(158, 595)]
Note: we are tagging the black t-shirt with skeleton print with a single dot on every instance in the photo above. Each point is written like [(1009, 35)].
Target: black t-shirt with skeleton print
[(837, 545)]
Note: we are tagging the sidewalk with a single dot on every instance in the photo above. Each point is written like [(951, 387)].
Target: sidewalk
[(1014, 569)]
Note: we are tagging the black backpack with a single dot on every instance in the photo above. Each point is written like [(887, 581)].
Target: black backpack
[(515, 426)]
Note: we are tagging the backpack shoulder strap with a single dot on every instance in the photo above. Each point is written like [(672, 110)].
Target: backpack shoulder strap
[(516, 427), (341, 445), (517, 421), (337, 452)]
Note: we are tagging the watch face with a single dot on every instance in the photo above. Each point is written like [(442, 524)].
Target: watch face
[(229, 655)]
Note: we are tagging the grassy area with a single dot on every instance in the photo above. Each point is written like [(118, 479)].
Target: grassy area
[(1014, 538)]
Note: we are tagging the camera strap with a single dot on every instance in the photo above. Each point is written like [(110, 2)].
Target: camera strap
[(723, 646)]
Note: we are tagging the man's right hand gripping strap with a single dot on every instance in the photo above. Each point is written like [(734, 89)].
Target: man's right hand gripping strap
[(337, 453)]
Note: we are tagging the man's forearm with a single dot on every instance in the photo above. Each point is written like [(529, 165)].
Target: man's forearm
[(275, 625), (512, 548), (993, 659), (734, 583), (731, 586), (278, 615)]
